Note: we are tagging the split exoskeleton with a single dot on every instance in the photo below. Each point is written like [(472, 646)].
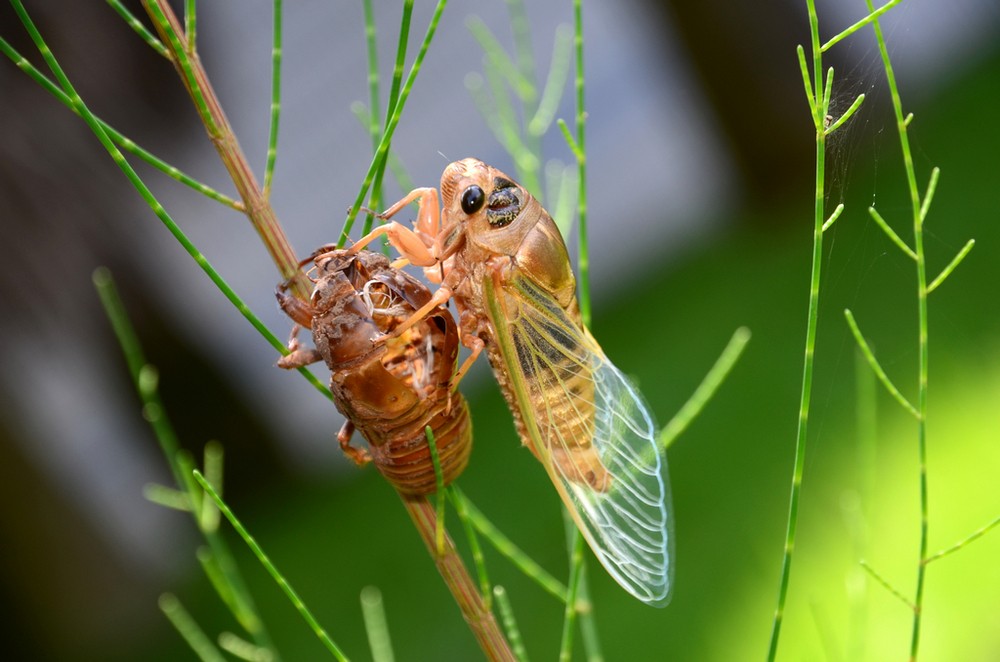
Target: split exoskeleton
[(495, 250), (392, 389)]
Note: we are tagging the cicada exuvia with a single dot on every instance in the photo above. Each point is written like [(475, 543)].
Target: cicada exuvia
[(492, 247), (392, 390)]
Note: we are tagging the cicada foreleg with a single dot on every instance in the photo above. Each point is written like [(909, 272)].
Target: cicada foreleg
[(418, 246)]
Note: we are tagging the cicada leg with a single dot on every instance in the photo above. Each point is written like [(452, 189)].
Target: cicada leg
[(476, 345), (300, 311), (298, 356), (358, 455), (417, 245)]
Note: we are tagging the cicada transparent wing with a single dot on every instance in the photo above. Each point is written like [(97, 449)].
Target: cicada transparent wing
[(590, 428)]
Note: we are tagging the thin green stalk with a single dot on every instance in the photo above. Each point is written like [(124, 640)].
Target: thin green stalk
[(588, 626), (872, 15), (271, 569), (117, 137), (188, 628), (502, 64), (965, 541), (507, 548), (143, 380), (383, 147), (397, 75), (581, 151), (376, 626), (392, 162), (507, 130), (866, 351), (229, 582), (272, 137), (213, 466), (190, 23), (439, 488), (951, 266), (895, 238), (922, 369), (397, 69), (569, 616), (521, 31), (242, 649), (510, 623), (812, 319), (373, 103), (706, 389), (139, 28), (888, 586), (478, 559), (554, 83)]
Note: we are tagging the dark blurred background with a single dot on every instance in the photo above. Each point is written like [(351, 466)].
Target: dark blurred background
[(700, 178)]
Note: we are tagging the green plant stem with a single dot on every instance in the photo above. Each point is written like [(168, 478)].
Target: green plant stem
[(481, 621), (507, 548), (581, 151), (271, 569), (510, 623), (706, 389), (139, 28), (373, 103), (576, 574), (872, 15), (378, 160), (228, 582), (962, 543), (812, 320), (373, 611), (885, 584), (272, 137), (866, 351), (188, 628), (397, 76), (439, 489), (191, 22), (922, 368), (259, 210), (478, 559)]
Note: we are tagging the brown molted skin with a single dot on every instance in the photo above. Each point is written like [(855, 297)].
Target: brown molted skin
[(390, 391), (529, 248)]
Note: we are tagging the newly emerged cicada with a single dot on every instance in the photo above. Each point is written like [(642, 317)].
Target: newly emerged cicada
[(494, 249), (391, 390)]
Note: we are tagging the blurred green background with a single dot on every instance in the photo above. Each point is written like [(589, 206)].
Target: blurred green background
[(730, 472)]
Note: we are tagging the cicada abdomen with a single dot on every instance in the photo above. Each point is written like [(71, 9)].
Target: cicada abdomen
[(389, 390)]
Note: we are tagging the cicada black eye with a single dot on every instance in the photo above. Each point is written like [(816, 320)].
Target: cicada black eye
[(473, 199)]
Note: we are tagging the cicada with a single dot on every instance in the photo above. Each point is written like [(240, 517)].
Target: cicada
[(492, 247), (390, 390)]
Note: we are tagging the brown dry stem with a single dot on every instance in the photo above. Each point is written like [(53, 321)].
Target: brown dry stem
[(480, 619), (220, 132)]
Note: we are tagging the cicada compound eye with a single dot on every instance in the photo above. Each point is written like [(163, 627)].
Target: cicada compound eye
[(473, 199)]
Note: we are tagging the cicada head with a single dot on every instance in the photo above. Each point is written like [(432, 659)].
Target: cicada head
[(495, 215), (486, 207)]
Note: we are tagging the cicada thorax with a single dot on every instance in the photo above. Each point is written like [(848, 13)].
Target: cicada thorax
[(393, 389)]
